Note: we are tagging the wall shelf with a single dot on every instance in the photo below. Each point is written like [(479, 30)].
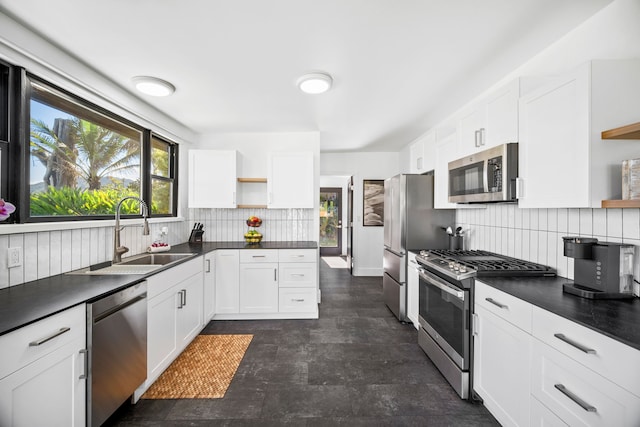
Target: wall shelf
[(634, 203), (624, 132), (252, 206), (264, 180)]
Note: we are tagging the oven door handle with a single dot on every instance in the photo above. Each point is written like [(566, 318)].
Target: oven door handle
[(442, 285)]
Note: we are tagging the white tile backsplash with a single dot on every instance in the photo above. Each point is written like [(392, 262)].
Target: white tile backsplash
[(536, 234)]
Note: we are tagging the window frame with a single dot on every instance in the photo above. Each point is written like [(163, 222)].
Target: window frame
[(19, 90), (173, 173)]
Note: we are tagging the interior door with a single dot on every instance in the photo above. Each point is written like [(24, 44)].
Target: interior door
[(330, 221)]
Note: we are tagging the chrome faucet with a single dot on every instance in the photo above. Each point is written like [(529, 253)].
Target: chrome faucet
[(117, 249)]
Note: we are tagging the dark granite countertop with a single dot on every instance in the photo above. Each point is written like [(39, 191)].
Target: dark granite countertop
[(618, 319), (29, 302)]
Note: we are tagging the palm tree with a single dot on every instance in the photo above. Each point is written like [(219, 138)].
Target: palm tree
[(78, 149)]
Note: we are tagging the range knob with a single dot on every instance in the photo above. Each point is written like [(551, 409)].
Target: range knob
[(462, 269)]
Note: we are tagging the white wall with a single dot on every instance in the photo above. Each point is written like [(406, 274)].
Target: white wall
[(253, 150), (340, 182), (368, 242)]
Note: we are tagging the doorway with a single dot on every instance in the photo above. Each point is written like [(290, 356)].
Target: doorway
[(330, 221)]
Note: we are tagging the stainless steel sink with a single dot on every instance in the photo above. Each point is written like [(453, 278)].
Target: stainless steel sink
[(153, 259), (139, 264)]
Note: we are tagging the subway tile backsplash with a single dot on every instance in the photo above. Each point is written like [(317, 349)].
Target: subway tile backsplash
[(536, 234)]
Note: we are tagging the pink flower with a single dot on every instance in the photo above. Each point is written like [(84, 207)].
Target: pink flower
[(6, 209)]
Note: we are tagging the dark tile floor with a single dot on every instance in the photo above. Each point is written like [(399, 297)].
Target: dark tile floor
[(355, 366)]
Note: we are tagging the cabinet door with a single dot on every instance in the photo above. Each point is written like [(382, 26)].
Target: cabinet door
[(227, 295), (47, 392), (209, 290), (416, 157), (189, 317), (502, 115), (162, 323), (290, 180), (212, 179), (502, 361), (471, 129), (554, 144), (259, 288), (412, 289), (446, 151)]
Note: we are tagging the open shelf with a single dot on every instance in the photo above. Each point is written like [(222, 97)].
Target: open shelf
[(634, 203), (252, 180), (624, 132), (252, 206)]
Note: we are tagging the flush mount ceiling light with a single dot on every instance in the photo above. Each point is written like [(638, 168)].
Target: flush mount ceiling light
[(153, 86), (315, 83)]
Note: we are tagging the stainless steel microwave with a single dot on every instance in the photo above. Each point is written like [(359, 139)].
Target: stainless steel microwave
[(486, 176)]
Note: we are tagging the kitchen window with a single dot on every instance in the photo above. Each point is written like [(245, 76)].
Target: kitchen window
[(79, 160)]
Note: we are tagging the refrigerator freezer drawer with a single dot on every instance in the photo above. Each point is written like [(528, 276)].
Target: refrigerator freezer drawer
[(394, 295), (395, 266)]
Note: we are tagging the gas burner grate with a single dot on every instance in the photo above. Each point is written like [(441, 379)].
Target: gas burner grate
[(491, 264)]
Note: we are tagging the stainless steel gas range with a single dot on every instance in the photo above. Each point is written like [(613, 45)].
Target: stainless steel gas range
[(446, 303)]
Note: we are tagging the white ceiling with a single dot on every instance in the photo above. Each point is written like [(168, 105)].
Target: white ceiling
[(398, 66)]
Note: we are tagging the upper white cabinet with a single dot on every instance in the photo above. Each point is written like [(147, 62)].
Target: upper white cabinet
[(290, 180), (213, 178), (564, 163), (421, 157), (491, 121)]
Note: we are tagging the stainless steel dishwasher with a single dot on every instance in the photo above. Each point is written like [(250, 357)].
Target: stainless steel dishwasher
[(117, 343)]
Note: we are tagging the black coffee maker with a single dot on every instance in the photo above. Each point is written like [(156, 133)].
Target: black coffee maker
[(601, 270)]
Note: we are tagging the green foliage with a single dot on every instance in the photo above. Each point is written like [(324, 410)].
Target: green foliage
[(73, 201)]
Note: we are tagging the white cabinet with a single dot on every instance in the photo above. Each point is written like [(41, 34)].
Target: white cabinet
[(174, 313), (213, 178), (209, 288), (227, 272), (43, 377), (563, 161), (446, 150), (491, 121), (291, 180), (502, 355), (412, 289), (259, 281), (420, 154), (267, 284)]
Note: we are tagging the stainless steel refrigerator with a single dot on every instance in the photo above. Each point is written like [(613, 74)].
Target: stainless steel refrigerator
[(410, 223)]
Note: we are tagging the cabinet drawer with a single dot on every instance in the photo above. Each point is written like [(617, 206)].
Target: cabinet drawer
[(577, 395), (297, 275), (30, 343), (258, 255), (510, 308), (297, 300), (604, 355), (297, 255), (158, 283), (541, 416)]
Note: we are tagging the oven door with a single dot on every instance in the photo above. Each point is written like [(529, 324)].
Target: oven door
[(444, 315)]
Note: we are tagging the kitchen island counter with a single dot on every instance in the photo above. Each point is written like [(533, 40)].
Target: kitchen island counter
[(618, 319), (29, 302)]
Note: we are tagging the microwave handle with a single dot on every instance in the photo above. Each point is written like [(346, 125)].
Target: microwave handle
[(485, 184)]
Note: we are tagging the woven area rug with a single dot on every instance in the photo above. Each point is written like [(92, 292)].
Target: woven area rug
[(204, 370)]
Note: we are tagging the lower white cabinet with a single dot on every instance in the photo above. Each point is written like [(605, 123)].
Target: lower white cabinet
[(266, 284), (43, 381), (175, 316), (413, 279), (502, 357), (541, 416)]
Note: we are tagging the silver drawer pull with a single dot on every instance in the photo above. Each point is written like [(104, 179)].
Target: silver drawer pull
[(49, 338), (297, 299), (496, 303), (584, 405), (297, 274), (85, 356), (258, 256), (572, 343), (297, 256)]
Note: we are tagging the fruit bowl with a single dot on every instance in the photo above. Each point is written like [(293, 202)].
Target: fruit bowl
[(254, 221), (252, 237)]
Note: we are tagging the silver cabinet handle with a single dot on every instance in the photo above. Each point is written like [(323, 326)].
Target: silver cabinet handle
[(258, 256), (275, 274), (575, 344), (482, 137), (297, 274), (50, 337), (85, 356), (297, 299), (208, 266), (297, 256), (476, 138), (184, 301), (496, 303), (584, 405)]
